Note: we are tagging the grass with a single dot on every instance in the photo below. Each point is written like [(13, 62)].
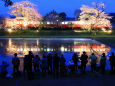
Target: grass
[(54, 33)]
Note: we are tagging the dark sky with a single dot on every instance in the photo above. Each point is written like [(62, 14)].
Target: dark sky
[(68, 6)]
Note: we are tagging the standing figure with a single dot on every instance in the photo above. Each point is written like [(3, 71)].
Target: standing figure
[(44, 63), (62, 65), (56, 61), (16, 63), (25, 65), (49, 62), (103, 63), (28, 64), (112, 62), (30, 57), (36, 62), (93, 58), (75, 60), (84, 61)]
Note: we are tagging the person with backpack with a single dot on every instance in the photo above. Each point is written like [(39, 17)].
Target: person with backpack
[(93, 58), (103, 63), (16, 63)]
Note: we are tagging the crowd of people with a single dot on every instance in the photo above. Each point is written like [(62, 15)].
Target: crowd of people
[(55, 64)]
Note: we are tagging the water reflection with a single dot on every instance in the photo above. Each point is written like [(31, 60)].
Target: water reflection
[(22, 46)]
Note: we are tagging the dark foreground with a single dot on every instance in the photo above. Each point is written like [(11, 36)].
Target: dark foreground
[(88, 79)]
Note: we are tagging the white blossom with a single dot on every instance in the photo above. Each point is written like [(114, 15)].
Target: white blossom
[(93, 16)]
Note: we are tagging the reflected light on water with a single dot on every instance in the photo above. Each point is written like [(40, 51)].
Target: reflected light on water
[(39, 45)]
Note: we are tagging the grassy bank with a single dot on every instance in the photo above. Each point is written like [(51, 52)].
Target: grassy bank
[(54, 33)]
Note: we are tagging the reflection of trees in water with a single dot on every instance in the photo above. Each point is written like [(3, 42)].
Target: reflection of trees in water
[(41, 46)]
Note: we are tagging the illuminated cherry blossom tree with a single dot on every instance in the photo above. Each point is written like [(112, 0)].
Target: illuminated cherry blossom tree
[(94, 16), (25, 9)]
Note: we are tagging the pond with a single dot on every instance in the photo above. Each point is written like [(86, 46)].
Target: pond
[(65, 46)]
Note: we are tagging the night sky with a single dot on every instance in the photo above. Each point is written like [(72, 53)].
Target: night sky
[(67, 6)]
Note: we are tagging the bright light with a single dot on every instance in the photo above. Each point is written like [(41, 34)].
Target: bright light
[(25, 23), (77, 31), (62, 22), (48, 49), (48, 22), (9, 30), (37, 30), (66, 22), (109, 31), (62, 49), (104, 29)]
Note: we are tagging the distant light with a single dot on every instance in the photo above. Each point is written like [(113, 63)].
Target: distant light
[(104, 29), (62, 49), (109, 31), (48, 22), (66, 22), (48, 49), (77, 31), (62, 23), (9, 30), (37, 30), (25, 23)]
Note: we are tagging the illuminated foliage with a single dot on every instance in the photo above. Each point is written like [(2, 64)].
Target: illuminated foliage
[(25, 9), (94, 16)]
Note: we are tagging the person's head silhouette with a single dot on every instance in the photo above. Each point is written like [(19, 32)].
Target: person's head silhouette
[(15, 54)]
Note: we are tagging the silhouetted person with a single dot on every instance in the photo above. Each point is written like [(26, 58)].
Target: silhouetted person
[(36, 62), (62, 65), (103, 63), (44, 63), (30, 57), (28, 62), (25, 65), (4, 71), (16, 63), (56, 61), (93, 58), (84, 61), (112, 62), (75, 60), (49, 62)]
